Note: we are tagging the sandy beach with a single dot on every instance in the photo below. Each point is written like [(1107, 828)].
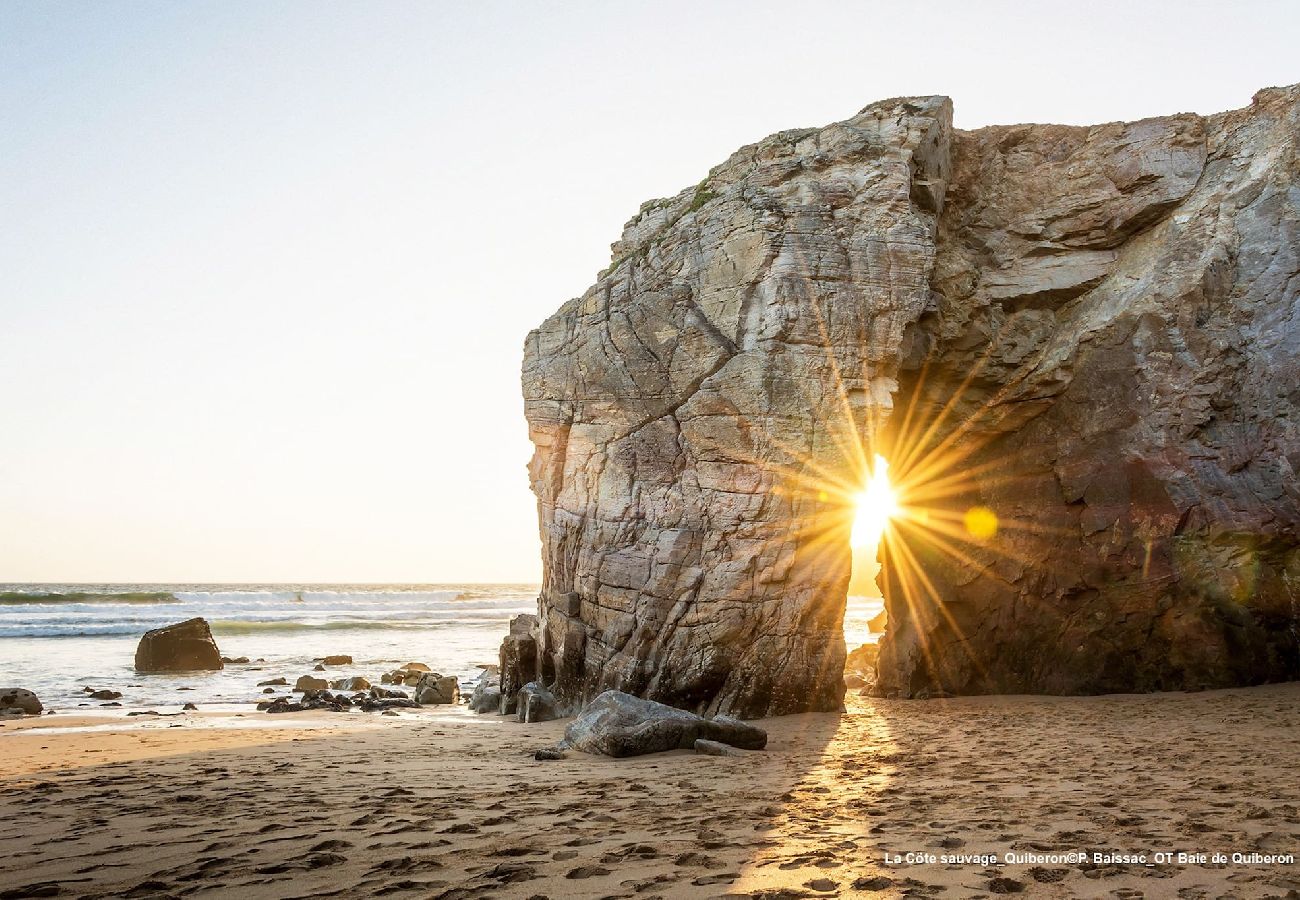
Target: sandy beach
[(448, 804)]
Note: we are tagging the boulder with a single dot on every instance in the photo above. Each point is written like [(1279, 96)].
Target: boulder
[(318, 668), (189, 707), (416, 667), (716, 748), (281, 705), (237, 661), (340, 660), (272, 683), (487, 693), (183, 647), (385, 703), (536, 704), (105, 695), (20, 698), (356, 683), (434, 689), (618, 724), (378, 693), (518, 660), (308, 683)]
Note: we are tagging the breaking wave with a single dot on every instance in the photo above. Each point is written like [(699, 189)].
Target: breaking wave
[(32, 598)]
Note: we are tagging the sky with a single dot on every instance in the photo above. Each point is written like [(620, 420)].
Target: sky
[(267, 268)]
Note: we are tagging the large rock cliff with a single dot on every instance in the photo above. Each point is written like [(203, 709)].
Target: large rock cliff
[(1087, 336)]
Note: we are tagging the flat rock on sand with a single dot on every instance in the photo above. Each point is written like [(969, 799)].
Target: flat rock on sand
[(618, 724)]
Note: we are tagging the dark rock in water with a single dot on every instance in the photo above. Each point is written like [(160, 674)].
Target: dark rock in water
[(20, 698), (434, 689), (618, 724), (535, 703), (273, 682), (318, 668), (145, 712), (716, 748), (185, 646), (340, 660), (408, 677), (518, 660), (356, 683), (487, 692), (114, 703), (237, 661), (549, 753), (269, 690), (308, 683), (189, 706), (106, 695)]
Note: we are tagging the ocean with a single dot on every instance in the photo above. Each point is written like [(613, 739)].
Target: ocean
[(58, 640)]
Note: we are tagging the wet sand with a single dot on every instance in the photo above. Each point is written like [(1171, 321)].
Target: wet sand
[(448, 804)]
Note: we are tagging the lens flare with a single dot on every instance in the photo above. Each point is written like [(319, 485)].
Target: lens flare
[(875, 506), (981, 523)]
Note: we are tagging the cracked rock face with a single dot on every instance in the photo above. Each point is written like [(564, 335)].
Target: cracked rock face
[(1110, 316)]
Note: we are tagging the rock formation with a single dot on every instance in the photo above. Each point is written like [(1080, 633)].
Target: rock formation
[(517, 664), (433, 689), (20, 699), (310, 683), (1076, 345), (183, 647), (618, 724)]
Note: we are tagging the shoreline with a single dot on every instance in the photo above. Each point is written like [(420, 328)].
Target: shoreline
[(449, 801)]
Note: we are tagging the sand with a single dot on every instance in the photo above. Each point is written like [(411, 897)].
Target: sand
[(448, 804)]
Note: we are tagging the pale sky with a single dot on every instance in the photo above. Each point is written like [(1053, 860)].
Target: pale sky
[(267, 268)]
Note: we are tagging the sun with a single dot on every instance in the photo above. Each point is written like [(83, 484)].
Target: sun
[(875, 506)]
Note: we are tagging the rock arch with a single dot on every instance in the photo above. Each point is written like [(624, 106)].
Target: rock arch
[(1109, 316)]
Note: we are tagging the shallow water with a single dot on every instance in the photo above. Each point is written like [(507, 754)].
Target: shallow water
[(57, 647)]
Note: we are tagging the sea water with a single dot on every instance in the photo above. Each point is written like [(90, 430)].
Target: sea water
[(58, 646)]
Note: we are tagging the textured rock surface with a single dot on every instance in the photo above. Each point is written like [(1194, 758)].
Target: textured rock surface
[(487, 692), (1108, 315), (433, 689), (517, 664), (534, 703), (185, 646), (310, 683), (20, 698), (618, 724)]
